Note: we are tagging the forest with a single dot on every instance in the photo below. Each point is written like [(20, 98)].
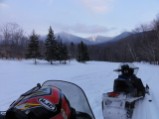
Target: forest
[(141, 45)]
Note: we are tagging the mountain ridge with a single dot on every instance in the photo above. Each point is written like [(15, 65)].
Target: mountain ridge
[(92, 40)]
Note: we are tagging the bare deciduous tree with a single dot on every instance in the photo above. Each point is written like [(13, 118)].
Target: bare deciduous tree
[(13, 40)]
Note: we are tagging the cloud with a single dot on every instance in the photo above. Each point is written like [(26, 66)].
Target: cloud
[(98, 6), (84, 29), (3, 5)]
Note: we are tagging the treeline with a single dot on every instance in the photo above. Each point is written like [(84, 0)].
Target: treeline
[(14, 44), (141, 45)]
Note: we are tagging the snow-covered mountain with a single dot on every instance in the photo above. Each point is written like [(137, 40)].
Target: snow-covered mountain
[(99, 39), (115, 39), (121, 36), (92, 40), (68, 38)]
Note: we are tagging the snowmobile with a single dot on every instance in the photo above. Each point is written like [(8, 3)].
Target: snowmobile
[(118, 105), (75, 95), (127, 90)]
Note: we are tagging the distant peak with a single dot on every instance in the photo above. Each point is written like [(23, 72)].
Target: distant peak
[(93, 38)]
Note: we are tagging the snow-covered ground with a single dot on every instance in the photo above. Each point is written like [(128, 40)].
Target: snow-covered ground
[(95, 78)]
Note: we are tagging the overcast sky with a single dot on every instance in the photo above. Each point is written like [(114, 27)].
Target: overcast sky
[(80, 17)]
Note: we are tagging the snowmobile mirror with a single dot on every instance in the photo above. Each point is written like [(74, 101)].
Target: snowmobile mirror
[(37, 87)]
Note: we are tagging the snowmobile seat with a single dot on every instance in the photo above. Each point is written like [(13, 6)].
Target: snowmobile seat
[(121, 86)]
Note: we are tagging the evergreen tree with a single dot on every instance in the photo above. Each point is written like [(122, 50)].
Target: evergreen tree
[(72, 50), (51, 46), (33, 47), (82, 53), (62, 52)]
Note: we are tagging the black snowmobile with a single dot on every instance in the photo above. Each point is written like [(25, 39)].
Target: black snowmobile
[(54, 99), (127, 90)]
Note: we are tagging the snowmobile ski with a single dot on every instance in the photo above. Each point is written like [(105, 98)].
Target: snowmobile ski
[(147, 91), (132, 99)]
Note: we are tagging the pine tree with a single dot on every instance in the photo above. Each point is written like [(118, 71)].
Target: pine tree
[(82, 53), (62, 52), (72, 50), (33, 47), (50, 45)]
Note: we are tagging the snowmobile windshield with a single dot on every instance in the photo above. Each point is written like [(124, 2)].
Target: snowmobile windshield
[(74, 94)]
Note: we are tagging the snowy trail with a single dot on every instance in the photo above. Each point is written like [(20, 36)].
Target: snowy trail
[(153, 108), (101, 76), (95, 78), (146, 109)]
